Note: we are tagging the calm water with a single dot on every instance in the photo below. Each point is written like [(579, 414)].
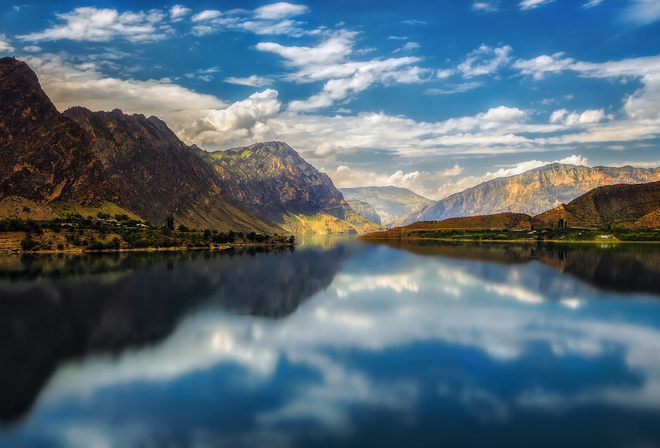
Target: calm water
[(337, 343)]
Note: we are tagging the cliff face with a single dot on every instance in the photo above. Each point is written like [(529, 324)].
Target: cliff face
[(390, 203), (159, 175), (532, 192), (45, 156), (274, 180)]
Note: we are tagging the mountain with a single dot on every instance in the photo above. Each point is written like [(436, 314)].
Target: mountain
[(365, 210), (274, 180), (391, 203), (532, 192), (428, 229), (158, 175), (614, 205), (45, 155)]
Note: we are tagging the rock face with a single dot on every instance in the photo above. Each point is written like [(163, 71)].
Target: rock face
[(158, 175), (390, 203), (532, 192), (274, 180), (624, 205), (365, 210), (45, 156)]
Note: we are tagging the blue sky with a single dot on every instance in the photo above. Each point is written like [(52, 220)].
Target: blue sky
[(435, 96)]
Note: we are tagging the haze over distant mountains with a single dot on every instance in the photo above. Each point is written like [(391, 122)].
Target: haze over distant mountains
[(83, 161), (532, 192), (390, 203)]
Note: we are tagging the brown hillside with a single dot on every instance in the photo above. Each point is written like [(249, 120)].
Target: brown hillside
[(501, 221), (608, 206), (45, 156)]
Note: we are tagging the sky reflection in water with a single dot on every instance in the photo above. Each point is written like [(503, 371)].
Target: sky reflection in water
[(344, 343)]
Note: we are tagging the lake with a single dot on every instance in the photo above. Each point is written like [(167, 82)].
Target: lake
[(336, 343)]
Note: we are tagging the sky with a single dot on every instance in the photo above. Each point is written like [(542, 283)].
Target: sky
[(431, 95)]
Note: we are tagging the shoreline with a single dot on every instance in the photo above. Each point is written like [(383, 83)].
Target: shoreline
[(212, 248), (467, 240)]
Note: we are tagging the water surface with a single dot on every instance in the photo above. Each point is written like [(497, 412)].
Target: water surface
[(337, 343)]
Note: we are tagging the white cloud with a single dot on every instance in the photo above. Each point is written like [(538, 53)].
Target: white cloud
[(457, 88), (208, 14), (644, 104), (644, 11), (32, 48), (541, 65), (281, 10), (103, 25), (243, 121), (485, 61), (484, 6), (251, 81), (573, 118), (178, 12), (409, 46), (531, 4), (331, 51), (592, 3), (454, 171), (4, 44), (70, 85), (267, 20), (330, 61)]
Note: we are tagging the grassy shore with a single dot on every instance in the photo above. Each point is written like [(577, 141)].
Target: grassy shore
[(549, 235), (119, 233)]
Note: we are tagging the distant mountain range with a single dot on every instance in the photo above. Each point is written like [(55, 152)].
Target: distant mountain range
[(532, 192), (630, 206), (85, 162), (390, 203)]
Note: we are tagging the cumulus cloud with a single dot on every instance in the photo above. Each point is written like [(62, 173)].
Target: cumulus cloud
[(103, 25), (178, 12), (281, 10), (573, 118), (240, 122), (4, 44), (531, 4), (644, 104), (485, 61)]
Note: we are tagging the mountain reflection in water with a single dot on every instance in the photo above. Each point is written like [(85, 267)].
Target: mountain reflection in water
[(337, 344), (55, 307)]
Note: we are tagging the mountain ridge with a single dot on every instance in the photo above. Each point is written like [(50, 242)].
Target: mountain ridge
[(389, 202), (532, 192)]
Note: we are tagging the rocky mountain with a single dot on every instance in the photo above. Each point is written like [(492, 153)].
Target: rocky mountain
[(614, 205), (391, 203), (158, 175), (365, 210), (532, 192), (45, 155), (274, 180)]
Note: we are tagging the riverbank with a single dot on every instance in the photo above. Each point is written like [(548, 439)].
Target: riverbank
[(554, 235), (89, 236)]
